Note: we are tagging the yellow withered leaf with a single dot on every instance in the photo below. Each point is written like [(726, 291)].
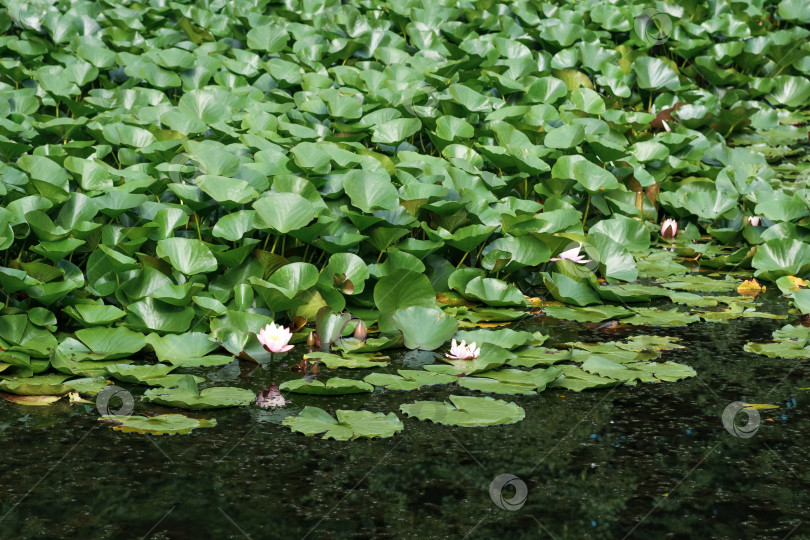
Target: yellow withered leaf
[(759, 406), (796, 282), (750, 287), (36, 401)]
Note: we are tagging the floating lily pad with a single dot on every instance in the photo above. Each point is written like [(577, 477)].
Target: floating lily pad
[(511, 381), (187, 396), (466, 411), (576, 379), (138, 374), (699, 283), (642, 342), (163, 424), (38, 385), (89, 386), (491, 357), (111, 343), (348, 425), (349, 361), (539, 356), (424, 328), (503, 337), (186, 349), (333, 387), (31, 401), (780, 349), (665, 371), (603, 367), (587, 314), (409, 379), (660, 317)]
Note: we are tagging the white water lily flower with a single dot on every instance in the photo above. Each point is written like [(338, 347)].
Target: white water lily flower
[(573, 256), (275, 338), (462, 351), (754, 221)]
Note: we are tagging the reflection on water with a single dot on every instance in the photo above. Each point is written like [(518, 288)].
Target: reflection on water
[(649, 461)]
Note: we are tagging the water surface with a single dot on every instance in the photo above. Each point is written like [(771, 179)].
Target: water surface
[(650, 461)]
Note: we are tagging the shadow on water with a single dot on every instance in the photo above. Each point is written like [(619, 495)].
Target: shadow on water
[(650, 461)]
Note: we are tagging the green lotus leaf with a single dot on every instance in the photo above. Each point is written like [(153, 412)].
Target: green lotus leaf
[(538, 356), (511, 381), (395, 131), (590, 176), (189, 397), (111, 343), (333, 387), (466, 411), (138, 374), (781, 257), (349, 361), (576, 379), (566, 136), (587, 314), (570, 291), (424, 328), (370, 191), (348, 424), (283, 212), (409, 379), (222, 189), (660, 317), (630, 233), (187, 255), (170, 348), (655, 74), (494, 292), (503, 337), (39, 385), (162, 424)]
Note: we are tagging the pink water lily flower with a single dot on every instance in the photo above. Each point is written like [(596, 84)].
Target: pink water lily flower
[(275, 338), (669, 228), (573, 256), (462, 351), (754, 221)]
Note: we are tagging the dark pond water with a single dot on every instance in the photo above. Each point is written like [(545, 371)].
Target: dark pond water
[(650, 461)]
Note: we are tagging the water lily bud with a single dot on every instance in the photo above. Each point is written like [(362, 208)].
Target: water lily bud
[(311, 340), (754, 221), (360, 331), (669, 228)]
